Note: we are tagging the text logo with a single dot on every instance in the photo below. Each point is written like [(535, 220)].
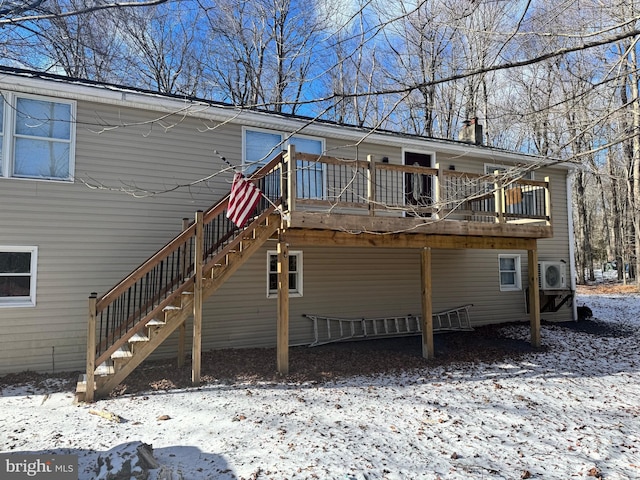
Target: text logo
[(38, 467)]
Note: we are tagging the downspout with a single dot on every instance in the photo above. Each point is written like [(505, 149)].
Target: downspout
[(572, 247)]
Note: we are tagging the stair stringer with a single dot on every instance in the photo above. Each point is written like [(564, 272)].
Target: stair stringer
[(216, 276), (220, 274)]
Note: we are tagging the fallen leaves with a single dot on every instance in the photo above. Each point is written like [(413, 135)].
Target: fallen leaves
[(595, 472), (107, 415)]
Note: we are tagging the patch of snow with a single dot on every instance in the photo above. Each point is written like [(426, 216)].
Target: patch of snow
[(554, 414)]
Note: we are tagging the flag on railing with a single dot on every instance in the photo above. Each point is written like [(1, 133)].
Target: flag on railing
[(243, 199)]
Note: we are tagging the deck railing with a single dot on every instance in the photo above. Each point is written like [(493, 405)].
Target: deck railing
[(376, 188), (125, 310)]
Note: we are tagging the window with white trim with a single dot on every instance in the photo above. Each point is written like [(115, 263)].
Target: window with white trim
[(510, 273), (261, 146), (18, 276), (37, 137), (295, 274)]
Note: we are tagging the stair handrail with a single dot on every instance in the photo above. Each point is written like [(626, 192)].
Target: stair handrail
[(189, 232), (176, 283)]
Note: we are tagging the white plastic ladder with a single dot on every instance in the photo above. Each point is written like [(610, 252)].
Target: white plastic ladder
[(336, 329)]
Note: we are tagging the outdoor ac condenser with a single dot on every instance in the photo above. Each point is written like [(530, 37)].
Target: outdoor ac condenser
[(552, 275)]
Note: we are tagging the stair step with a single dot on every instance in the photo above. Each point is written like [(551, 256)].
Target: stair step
[(81, 386), (105, 368), (122, 352), (137, 337), (171, 307), (154, 322)]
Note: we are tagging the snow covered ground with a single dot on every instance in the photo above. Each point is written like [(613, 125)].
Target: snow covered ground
[(570, 412)]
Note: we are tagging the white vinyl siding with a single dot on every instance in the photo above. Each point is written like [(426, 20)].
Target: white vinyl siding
[(18, 266), (38, 137)]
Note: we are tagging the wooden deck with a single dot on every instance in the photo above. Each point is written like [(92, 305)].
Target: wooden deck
[(312, 200), (365, 199)]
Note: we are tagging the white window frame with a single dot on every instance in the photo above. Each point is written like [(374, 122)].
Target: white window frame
[(285, 141), (517, 272), (9, 135), (293, 291), (29, 301)]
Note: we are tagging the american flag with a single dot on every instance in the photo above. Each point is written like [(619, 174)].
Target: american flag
[(243, 200)]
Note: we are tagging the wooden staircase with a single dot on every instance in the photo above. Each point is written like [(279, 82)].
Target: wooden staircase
[(136, 316)]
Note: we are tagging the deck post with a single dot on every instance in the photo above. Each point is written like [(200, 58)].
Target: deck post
[(91, 349), (182, 329), (547, 200), (371, 185), (427, 308), (534, 297), (197, 299), (292, 178), (283, 305), (498, 195), (439, 178)]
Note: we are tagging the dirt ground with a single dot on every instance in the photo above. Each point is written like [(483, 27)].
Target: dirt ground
[(318, 364)]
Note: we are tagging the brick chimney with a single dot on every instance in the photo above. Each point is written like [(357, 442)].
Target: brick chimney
[(471, 132)]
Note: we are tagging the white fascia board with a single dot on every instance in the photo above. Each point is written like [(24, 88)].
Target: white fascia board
[(123, 97), (109, 95)]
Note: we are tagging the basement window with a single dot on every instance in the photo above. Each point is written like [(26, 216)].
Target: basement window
[(295, 274), (510, 275), (18, 276)]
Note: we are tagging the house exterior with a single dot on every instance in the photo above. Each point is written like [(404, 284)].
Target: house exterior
[(95, 179)]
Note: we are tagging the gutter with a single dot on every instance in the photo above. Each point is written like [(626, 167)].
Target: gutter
[(572, 248)]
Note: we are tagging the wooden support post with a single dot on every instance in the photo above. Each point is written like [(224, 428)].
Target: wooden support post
[(284, 184), (547, 200), (182, 329), (91, 349), (197, 299), (534, 298), (182, 338), (498, 196), (371, 185), (439, 193), (283, 306), (427, 308), (292, 179)]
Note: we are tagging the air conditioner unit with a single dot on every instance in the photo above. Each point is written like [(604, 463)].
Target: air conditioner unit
[(552, 275)]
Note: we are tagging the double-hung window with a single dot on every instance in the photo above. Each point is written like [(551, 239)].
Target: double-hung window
[(510, 274), (295, 274), (18, 276), (37, 137), (261, 146)]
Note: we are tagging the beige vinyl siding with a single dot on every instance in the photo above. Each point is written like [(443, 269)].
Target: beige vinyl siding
[(89, 239)]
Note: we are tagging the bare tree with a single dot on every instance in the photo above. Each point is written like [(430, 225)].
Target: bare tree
[(260, 53), (82, 46), (162, 46)]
